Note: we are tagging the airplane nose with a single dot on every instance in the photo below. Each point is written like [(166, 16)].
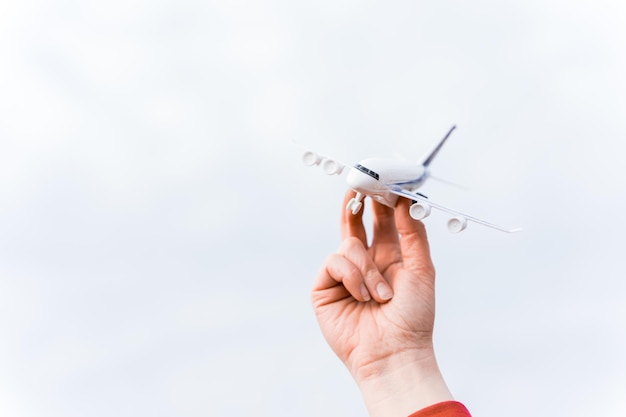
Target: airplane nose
[(359, 181)]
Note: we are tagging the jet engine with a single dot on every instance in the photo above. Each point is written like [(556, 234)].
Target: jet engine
[(457, 224), (311, 158), (419, 211), (332, 167)]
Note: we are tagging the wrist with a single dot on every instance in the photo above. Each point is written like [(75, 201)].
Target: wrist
[(399, 385)]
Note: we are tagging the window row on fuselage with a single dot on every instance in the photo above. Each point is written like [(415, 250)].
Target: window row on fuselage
[(367, 171)]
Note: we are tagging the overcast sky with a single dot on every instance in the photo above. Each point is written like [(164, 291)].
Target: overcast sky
[(159, 236)]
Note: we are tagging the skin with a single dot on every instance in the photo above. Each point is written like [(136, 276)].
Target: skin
[(375, 305)]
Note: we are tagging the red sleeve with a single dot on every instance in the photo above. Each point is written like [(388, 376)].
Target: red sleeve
[(444, 409)]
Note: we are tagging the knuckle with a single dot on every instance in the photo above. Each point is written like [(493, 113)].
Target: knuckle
[(353, 241), (342, 269), (352, 275), (372, 275)]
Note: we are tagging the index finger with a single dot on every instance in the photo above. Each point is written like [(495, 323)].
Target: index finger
[(352, 224)]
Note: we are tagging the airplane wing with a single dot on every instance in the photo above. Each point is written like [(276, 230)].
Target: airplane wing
[(457, 223)]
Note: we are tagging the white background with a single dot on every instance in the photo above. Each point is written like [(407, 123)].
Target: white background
[(158, 235)]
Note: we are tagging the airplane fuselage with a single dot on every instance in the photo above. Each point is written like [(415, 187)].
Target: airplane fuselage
[(384, 180), (373, 176)]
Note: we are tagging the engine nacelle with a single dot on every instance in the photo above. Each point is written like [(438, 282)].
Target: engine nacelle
[(457, 224), (332, 167), (311, 158), (419, 211)]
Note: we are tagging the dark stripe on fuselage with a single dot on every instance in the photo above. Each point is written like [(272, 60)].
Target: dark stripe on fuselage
[(367, 171)]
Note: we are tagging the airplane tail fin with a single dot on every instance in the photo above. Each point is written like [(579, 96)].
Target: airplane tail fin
[(433, 153)]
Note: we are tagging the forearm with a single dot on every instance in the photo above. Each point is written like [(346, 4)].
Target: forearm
[(403, 384)]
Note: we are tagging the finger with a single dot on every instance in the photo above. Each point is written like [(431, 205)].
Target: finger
[(413, 240), (352, 224), (384, 224), (385, 247), (338, 279), (354, 251)]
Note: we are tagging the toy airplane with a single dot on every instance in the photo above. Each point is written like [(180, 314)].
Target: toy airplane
[(385, 180)]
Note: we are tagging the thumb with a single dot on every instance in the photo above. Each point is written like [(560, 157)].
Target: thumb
[(413, 240)]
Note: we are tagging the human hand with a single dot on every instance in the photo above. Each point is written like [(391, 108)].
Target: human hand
[(376, 304)]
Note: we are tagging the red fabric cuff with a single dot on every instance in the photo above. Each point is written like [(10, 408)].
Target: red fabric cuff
[(444, 409)]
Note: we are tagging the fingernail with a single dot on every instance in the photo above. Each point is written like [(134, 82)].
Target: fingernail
[(384, 291), (366, 295)]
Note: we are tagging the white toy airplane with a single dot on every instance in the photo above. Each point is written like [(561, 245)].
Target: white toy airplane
[(385, 180)]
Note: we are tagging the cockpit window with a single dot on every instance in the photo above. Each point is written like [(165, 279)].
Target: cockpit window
[(367, 171)]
